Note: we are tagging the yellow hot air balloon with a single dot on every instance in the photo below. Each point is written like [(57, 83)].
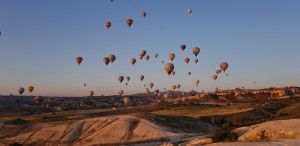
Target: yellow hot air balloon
[(79, 60), (197, 82), (169, 67), (141, 77), (224, 66), (121, 78), (215, 77), (107, 24), (182, 47), (129, 22), (174, 87), (147, 57), (172, 56), (196, 51), (30, 88), (106, 60), (155, 55), (144, 14), (132, 60), (178, 86), (21, 90), (126, 101), (189, 73), (151, 85), (189, 11), (112, 58), (91, 93)]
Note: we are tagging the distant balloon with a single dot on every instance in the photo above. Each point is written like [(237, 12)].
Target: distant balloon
[(189, 73), (166, 96), (121, 78), (111, 58), (132, 60), (84, 84), (106, 60), (189, 11), (162, 62), (182, 93), (143, 52), (172, 56), (254, 82), (224, 66), (182, 47), (215, 77), (174, 87), (147, 91), (202, 91), (197, 82), (187, 60), (127, 78), (147, 57), (196, 51), (141, 56), (196, 60), (169, 67), (126, 84), (226, 74), (107, 24), (79, 60), (158, 94), (178, 86), (144, 14), (129, 22), (155, 55), (126, 101), (21, 90), (91, 93), (121, 92), (30, 88), (173, 73), (151, 85), (141, 77), (144, 85), (218, 71)]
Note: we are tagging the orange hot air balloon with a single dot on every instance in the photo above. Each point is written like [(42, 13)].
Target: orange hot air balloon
[(189, 11), (187, 60), (132, 60), (106, 60), (174, 87), (197, 82), (189, 73), (172, 56), (143, 52), (30, 88), (91, 93), (129, 22), (147, 57), (107, 24), (126, 101), (215, 77), (173, 73), (182, 47), (196, 60), (79, 60), (141, 56), (144, 14)]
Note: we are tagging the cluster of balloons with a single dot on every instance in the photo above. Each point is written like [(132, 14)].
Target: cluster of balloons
[(223, 66), (21, 90)]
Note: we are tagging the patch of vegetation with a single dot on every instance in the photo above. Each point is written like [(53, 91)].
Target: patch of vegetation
[(225, 133), (17, 121)]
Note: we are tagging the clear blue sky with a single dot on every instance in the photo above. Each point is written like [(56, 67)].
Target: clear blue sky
[(260, 39)]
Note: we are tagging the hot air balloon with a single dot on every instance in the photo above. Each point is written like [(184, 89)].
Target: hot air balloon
[(155, 55), (21, 90), (121, 78), (171, 94), (143, 52), (147, 57), (189, 11), (158, 94), (84, 84), (121, 92), (126, 101), (79, 60), (196, 60), (107, 24), (187, 60), (165, 88), (182, 47), (196, 51), (106, 60), (162, 62), (218, 71), (166, 96), (144, 85), (132, 60), (172, 56), (224, 66), (30, 88), (129, 22), (147, 91), (151, 85), (144, 14), (156, 91), (173, 73), (254, 82), (91, 93), (174, 87), (197, 82), (141, 56), (126, 84), (226, 74), (178, 86), (111, 58), (141, 77), (202, 91), (182, 93), (215, 77), (38, 99), (169, 67), (189, 73), (127, 78)]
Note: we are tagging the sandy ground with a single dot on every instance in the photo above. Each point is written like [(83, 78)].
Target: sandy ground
[(277, 142)]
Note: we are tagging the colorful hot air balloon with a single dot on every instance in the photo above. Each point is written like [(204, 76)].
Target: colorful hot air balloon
[(79, 60), (141, 77), (129, 22), (143, 52), (111, 58), (187, 60), (30, 88), (151, 85), (196, 51), (107, 24), (173, 73), (121, 92), (172, 56), (147, 57), (197, 82), (21, 90), (196, 60), (127, 78), (106, 60), (182, 47), (121, 78), (169, 67), (126, 101), (173, 87), (189, 73), (91, 93), (215, 77), (178, 86), (132, 60), (224, 66), (155, 55), (144, 14), (189, 11)]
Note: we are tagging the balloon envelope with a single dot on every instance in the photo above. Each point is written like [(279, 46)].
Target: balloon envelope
[(196, 51), (79, 60), (111, 58), (129, 22), (30, 88), (224, 66), (172, 56), (21, 90), (121, 78), (169, 67), (107, 24)]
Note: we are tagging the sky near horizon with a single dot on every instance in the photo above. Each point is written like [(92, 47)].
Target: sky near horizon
[(260, 40)]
